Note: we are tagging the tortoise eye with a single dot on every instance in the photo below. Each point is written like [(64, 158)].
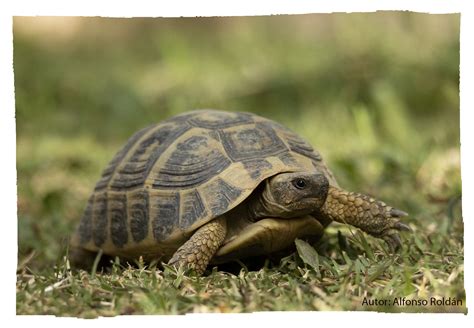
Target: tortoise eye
[(299, 183)]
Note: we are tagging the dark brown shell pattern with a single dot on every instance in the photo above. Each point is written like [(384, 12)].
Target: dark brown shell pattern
[(185, 171)]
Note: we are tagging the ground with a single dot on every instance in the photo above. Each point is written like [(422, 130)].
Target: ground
[(377, 94)]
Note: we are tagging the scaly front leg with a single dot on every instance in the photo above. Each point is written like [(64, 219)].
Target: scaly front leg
[(370, 215), (196, 253)]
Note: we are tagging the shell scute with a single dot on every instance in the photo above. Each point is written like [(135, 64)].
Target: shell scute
[(138, 205), (118, 219), (256, 167), (118, 158), (220, 195), (193, 209), (99, 219), (194, 161), (138, 165), (85, 226), (166, 215), (212, 119), (249, 142)]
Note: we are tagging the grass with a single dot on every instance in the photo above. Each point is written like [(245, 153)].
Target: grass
[(338, 280), (380, 102)]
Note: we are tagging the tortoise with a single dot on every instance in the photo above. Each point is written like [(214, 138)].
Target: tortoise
[(211, 186)]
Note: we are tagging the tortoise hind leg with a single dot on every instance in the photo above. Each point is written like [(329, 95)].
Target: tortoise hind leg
[(196, 253), (81, 258)]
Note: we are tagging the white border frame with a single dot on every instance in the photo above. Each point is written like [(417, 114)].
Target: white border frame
[(141, 8)]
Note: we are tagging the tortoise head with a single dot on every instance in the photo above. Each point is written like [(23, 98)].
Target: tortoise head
[(288, 195)]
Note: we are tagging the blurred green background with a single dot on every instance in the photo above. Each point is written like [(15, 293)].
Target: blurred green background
[(377, 94)]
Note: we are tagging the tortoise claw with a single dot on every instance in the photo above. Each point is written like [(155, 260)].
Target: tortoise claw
[(397, 213), (393, 241), (402, 226), (391, 235)]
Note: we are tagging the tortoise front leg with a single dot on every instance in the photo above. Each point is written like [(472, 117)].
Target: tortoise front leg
[(370, 215), (196, 253)]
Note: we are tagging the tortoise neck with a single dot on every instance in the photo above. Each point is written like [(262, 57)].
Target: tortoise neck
[(258, 207)]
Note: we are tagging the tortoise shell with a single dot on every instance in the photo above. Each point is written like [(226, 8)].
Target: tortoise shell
[(173, 177)]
